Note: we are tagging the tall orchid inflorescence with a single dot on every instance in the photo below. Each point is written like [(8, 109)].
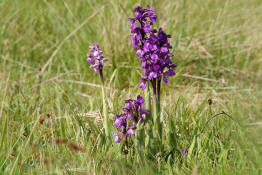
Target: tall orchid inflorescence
[(153, 50), (152, 46), (96, 59), (127, 122)]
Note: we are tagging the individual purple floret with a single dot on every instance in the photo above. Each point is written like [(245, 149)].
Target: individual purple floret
[(152, 46), (95, 58), (184, 152), (133, 114)]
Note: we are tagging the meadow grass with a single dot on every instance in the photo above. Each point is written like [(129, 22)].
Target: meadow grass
[(51, 107)]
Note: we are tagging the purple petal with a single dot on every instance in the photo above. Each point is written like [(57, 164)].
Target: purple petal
[(171, 72), (96, 53), (146, 47), (142, 85), (147, 29), (152, 47), (130, 132), (154, 57), (153, 37), (143, 65), (129, 116), (145, 112), (165, 80), (140, 99), (120, 122), (153, 18), (117, 116), (138, 15), (133, 26), (132, 20), (184, 152), (141, 119), (164, 50), (96, 69), (156, 67), (139, 52), (135, 43), (152, 75), (117, 139), (90, 60)]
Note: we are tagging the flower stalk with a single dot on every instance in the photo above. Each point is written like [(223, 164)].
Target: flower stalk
[(97, 63), (105, 109), (157, 110), (148, 103)]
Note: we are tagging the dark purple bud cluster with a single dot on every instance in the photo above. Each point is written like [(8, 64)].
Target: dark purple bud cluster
[(133, 113), (95, 58), (152, 46)]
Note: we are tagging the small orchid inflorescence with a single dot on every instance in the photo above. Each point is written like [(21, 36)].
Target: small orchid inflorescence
[(95, 58), (133, 113)]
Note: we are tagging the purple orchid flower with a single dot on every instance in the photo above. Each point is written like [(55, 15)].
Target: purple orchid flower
[(134, 113), (95, 58), (152, 46)]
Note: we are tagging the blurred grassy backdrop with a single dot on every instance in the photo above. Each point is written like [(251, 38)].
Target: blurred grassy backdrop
[(43, 70)]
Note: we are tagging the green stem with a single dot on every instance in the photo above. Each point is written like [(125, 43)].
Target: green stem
[(148, 103), (105, 110), (156, 110), (159, 109), (157, 121)]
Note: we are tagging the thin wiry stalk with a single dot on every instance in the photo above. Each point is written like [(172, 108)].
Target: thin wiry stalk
[(159, 125), (148, 103), (105, 110)]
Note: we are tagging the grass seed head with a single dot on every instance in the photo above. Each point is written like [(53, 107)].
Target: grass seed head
[(210, 101), (24, 134), (73, 146), (60, 141), (48, 115), (41, 120), (6, 42)]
